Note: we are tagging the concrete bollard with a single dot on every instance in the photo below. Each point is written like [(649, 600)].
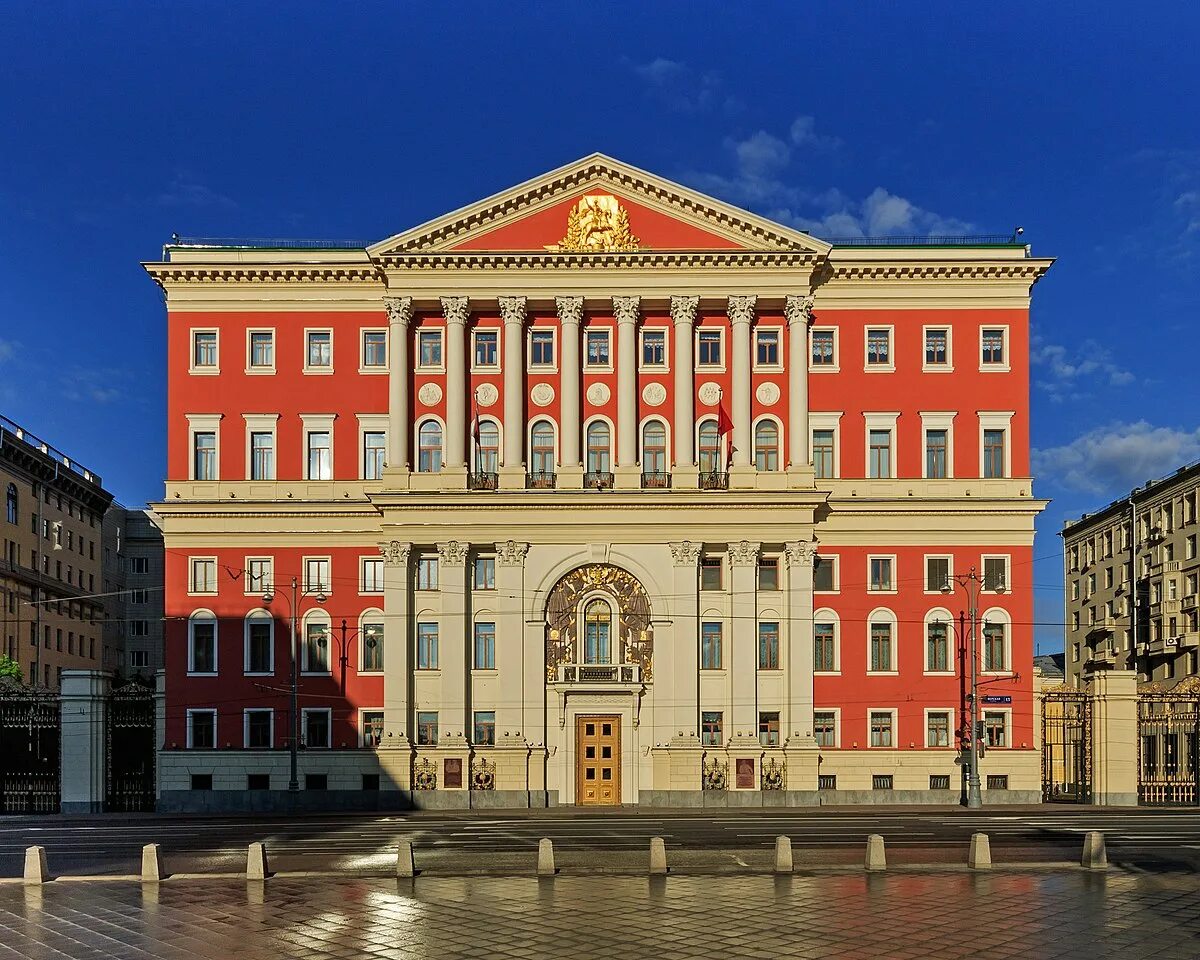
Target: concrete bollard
[(36, 870), (152, 867), (256, 862), (783, 854), (545, 863), (876, 857), (1095, 857), (404, 859), (980, 855), (658, 855)]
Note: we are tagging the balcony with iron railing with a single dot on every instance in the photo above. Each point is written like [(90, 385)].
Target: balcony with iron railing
[(27, 439), (540, 480), (597, 480), (599, 673), (714, 480), (656, 480), (483, 481)]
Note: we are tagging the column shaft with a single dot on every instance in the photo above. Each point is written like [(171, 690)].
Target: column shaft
[(570, 314), (799, 314), (627, 310), (684, 650), (456, 311), (455, 637), (742, 653), (512, 309), (510, 646), (798, 718), (741, 313), (683, 316), (399, 310), (398, 641)]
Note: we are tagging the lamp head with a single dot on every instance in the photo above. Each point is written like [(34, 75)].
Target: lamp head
[(268, 597), (321, 598), (946, 587)]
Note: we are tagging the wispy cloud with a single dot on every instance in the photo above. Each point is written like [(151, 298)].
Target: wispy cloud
[(1071, 374), (8, 350), (95, 385), (1111, 460), (186, 191), (678, 86)]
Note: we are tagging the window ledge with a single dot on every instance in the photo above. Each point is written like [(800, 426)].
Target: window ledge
[(192, 673), (940, 673), (318, 371), (204, 371), (258, 673), (883, 673), (880, 368), (260, 371), (824, 368), (937, 368), (316, 673), (373, 371), (827, 673), (369, 673)]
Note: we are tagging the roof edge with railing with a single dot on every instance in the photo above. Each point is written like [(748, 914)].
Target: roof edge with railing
[(35, 442), (1147, 490)]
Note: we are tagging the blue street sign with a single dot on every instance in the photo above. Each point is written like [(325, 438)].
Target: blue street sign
[(997, 699)]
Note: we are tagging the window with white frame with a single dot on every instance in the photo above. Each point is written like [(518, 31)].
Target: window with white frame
[(427, 646), (374, 350), (372, 575), (318, 454), (825, 444), (315, 653), (937, 728), (315, 726), (317, 575), (202, 729), (883, 728), (318, 351), (541, 348), (485, 728), (710, 728), (995, 727), (937, 356), (767, 347), (485, 645), (371, 644), (374, 454), (258, 728), (427, 728), (995, 574), (937, 428), (937, 642), (260, 351), (824, 352), (202, 643), (204, 455), (825, 642), (486, 348), (825, 573), (881, 574), (993, 348), (260, 577), (429, 349), (995, 448), (485, 573), (709, 352), (766, 445), (596, 348), (427, 573), (881, 643), (881, 444), (262, 455), (370, 727), (259, 643), (937, 572), (202, 577), (995, 645), (825, 728), (204, 351), (879, 349), (654, 348), (429, 447)]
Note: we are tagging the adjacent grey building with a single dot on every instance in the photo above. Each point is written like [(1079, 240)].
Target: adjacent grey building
[(142, 571)]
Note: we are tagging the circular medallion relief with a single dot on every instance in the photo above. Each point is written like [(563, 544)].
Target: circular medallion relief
[(598, 394), (767, 394), (542, 394), (487, 394), (430, 394), (710, 393), (654, 394)]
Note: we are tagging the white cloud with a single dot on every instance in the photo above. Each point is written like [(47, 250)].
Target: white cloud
[(1068, 374), (185, 191), (8, 350), (761, 155), (679, 87), (804, 134), (1110, 461)]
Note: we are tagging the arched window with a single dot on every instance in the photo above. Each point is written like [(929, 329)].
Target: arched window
[(11, 503), (654, 447), (766, 445), (488, 441), (314, 656), (710, 447), (597, 624), (541, 448), (259, 653), (939, 637), (599, 439), (429, 447), (881, 641), (995, 650)]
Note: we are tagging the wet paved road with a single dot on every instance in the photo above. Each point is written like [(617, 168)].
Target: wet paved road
[(850, 917), (1153, 839)]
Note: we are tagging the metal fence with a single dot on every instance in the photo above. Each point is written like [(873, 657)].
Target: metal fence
[(30, 740), (1067, 747), (1168, 733)]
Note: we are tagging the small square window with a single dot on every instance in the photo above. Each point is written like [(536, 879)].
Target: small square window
[(823, 349), (710, 573), (486, 348), (709, 352), (319, 349), (937, 347), (992, 346), (429, 348), (262, 350), (654, 348), (541, 348), (316, 781), (202, 781), (879, 347), (939, 781), (766, 347), (881, 574), (881, 781), (374, 349), (597, 348), (258, 781), (204, 349)]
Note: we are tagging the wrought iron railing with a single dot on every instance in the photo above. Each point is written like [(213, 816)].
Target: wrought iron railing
[(656, 480), (259, 243), (483, 481), (943, 240), (540, 480), (18, 432), (597, 480), (1168, 737), (715, 480), (599, 673)]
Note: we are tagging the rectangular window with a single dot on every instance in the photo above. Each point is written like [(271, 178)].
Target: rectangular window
[(825, 574), (823, 354), (201, 729), (203, 575), (427, 729), (995, 728), (486, 348), (881, 647), (880, 454), (315, 657), (994, 654), (429, 348), (709, 352), (992, 343), (879, 347), (314, 723), (320, 455), (485, 573), (204, 348), (768, 728), (710, 728), (262, 350), (317, 578), (939, 781), (596, 342), (768, 646), (937, 445), (427, 573), (822, 453), (937, 347), (485, 728), (485, 646), (710, 646), (766, 348), (541, 348), (204, 446), (203, 654), (258, 729), (319, 349), (937, 729), (993, 453), (995, 574), (654, 348), (937, 574), (824, 648), (768, 573), (374, 349), (371, 724), (259, 578), (374, 454), (710, 573), (937, 647), (881, 728), (427, 646), (372, 648), (259, 643), (372, 575), (262, 456), (881, 574), (825, 728)]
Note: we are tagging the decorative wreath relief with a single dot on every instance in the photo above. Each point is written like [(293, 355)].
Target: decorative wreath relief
[(425, 775), (716, 774), (654, 394), (767, 393), (483, 774), (542, 394), (598, 394), (430, 394), (709, 393), (487, 394), (774, 774)]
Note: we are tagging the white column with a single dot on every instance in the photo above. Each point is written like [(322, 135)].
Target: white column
[(683, 317), (797, 721), (627, 311), (684, 651), (455, 636), (84, 697), (570, 316), (741, 315), (511, 652), (798, 311), (512, 309), (742, 651), (456, 310), (398, 641), (399, 310)]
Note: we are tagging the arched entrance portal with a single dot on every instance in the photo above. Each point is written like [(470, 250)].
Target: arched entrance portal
[(599, 658)]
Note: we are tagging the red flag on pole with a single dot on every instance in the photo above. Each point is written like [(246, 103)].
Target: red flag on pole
[(725, 426)]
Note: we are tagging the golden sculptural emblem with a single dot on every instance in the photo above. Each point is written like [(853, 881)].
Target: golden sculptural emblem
[(597, 224)]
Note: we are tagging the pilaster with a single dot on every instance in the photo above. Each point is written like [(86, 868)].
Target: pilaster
[(684, 653), (796, 724), (741, 315), (398, 643), (627, 311), (742, 651), (454, 638), (512, 310), (683, 319), (798, 311), (570, 315), (456, 311), (510, 648), (399, 311)]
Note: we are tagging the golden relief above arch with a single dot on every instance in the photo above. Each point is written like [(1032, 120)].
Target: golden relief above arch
[(597, 224), (635, 634)]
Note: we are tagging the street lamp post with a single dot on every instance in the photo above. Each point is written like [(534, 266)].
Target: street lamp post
[(294, 723), (971, 585)]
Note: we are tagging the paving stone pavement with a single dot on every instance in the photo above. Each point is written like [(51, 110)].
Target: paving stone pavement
[(931, 916)]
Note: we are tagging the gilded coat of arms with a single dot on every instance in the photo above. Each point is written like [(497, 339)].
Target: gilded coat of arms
[(597, 224)]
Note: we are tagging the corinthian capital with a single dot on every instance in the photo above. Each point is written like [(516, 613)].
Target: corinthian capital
[(399, 309), (510, 553), (798, 310), (627, 309), (456, 310), (683, 309), (570, 310), (452, 552), (512, 309), (743, 553), (685, 553), (799, 552), (741, 309), (395, 552)]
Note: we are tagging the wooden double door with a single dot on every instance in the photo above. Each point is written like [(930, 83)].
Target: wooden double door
[(597, 761)]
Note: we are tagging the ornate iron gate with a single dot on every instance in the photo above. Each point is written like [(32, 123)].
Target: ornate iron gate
[(29, 751), (1067, 747), (1168, 734), (129, 748)]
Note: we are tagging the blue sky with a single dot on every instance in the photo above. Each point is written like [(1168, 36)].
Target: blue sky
[(127, 122)]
